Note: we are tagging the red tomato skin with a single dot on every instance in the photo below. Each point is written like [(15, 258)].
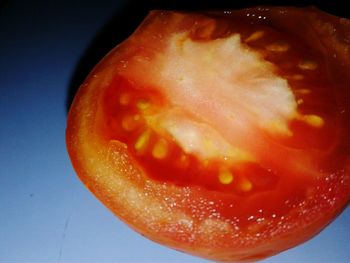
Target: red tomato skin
[(185, 217)]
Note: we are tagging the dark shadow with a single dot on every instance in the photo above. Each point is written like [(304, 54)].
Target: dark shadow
[(125, 21)]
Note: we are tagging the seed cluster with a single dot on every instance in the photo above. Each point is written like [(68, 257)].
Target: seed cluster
[(148, 142), (306, 65)]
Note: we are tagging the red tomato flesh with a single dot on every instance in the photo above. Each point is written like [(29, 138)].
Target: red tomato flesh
[(222, 134)]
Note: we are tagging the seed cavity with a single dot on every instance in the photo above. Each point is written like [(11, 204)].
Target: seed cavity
[(142, 141), (280, 46), (124, 99), (254, 36), (131, 122), (160, 149), (307, 64), (225, 176)]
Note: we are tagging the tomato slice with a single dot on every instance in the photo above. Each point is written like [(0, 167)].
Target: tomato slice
[(221, 134)]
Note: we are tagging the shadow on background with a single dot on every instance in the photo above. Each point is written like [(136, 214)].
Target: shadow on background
[(125, 21)]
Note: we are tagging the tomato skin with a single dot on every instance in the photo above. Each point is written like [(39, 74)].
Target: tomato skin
[(191, 218)]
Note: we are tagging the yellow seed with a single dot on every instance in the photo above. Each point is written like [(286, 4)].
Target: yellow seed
[(278, 47), (254, 36), (130, 122), (307, 64), (124, 99), (277, 127), (225, 177), (314, 120), (300, 101), (160, 149), (142, 141), (143, 104), (246, 185)]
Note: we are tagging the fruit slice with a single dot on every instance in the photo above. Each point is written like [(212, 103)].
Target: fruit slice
[(220, 134)]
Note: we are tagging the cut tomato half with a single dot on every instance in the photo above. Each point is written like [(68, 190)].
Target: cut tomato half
[(221, 134)]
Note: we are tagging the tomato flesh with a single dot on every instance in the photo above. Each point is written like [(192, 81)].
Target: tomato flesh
[(233, 122)]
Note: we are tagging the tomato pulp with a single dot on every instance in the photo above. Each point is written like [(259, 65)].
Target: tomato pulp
[(221, 134)]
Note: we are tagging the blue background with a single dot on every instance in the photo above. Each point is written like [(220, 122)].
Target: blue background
[(46, 214)]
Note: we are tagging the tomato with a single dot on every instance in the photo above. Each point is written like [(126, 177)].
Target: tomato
[(221, 134)]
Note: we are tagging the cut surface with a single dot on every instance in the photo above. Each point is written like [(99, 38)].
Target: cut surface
[(224, 135), (199, 104)]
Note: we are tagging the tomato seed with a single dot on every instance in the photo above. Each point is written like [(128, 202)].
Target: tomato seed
[(130, 122), (254, 36), (278, 47), (160, 149), (307, 64), (142, 141), (246, 185), (143, 104), (225, 177), (313, 120)]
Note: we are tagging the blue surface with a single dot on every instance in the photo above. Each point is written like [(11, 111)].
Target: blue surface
[(46, 214)]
